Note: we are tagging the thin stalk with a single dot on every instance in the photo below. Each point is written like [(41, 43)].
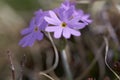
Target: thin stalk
[(56, 59), (11, 64), (66, 65), (56, 55), (106, 53), (23, 61), (47, 76)]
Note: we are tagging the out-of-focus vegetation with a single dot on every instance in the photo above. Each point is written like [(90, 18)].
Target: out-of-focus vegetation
[(85, 53)]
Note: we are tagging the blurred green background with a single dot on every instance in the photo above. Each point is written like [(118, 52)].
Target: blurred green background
[(85, 53)]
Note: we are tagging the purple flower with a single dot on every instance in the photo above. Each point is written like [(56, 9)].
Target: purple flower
[(33, 32), (84, 18), (76, 13), (67, 4), (63, 23)]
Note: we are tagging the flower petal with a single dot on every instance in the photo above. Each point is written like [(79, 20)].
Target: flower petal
[(54, 16), (78, 13), (51, 21), (26, 31), (74, 19), (51, 29), (58, 32), (77, 25), (43, 25), (74, 32), (31, 42), (85, 18), (39, 36), (66, 33), (59, 13), (68, 13), (25, 40), (64, 6), (32, 22)]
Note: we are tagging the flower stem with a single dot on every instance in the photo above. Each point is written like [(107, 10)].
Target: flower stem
[(45, 73), (47, 76), (106, 54), (66, 65)]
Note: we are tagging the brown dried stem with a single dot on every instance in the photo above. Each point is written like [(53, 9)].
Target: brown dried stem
[(11, 64)]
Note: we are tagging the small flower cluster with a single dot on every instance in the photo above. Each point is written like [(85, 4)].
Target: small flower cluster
[(63, 21)]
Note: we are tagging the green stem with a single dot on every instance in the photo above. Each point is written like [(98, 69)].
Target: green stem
[(56, 55), (106, 54), (66, 65)]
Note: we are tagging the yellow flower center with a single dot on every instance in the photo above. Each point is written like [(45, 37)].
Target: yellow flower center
[(63, 24), (36, 29)]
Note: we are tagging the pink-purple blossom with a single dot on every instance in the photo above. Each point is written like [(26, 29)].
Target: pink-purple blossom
[(66, 20), (77, 12), (33, 32), (63, 21), (63, 24), (67, 4)]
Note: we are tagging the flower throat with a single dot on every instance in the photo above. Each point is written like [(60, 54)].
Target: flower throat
[(64, 24)]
